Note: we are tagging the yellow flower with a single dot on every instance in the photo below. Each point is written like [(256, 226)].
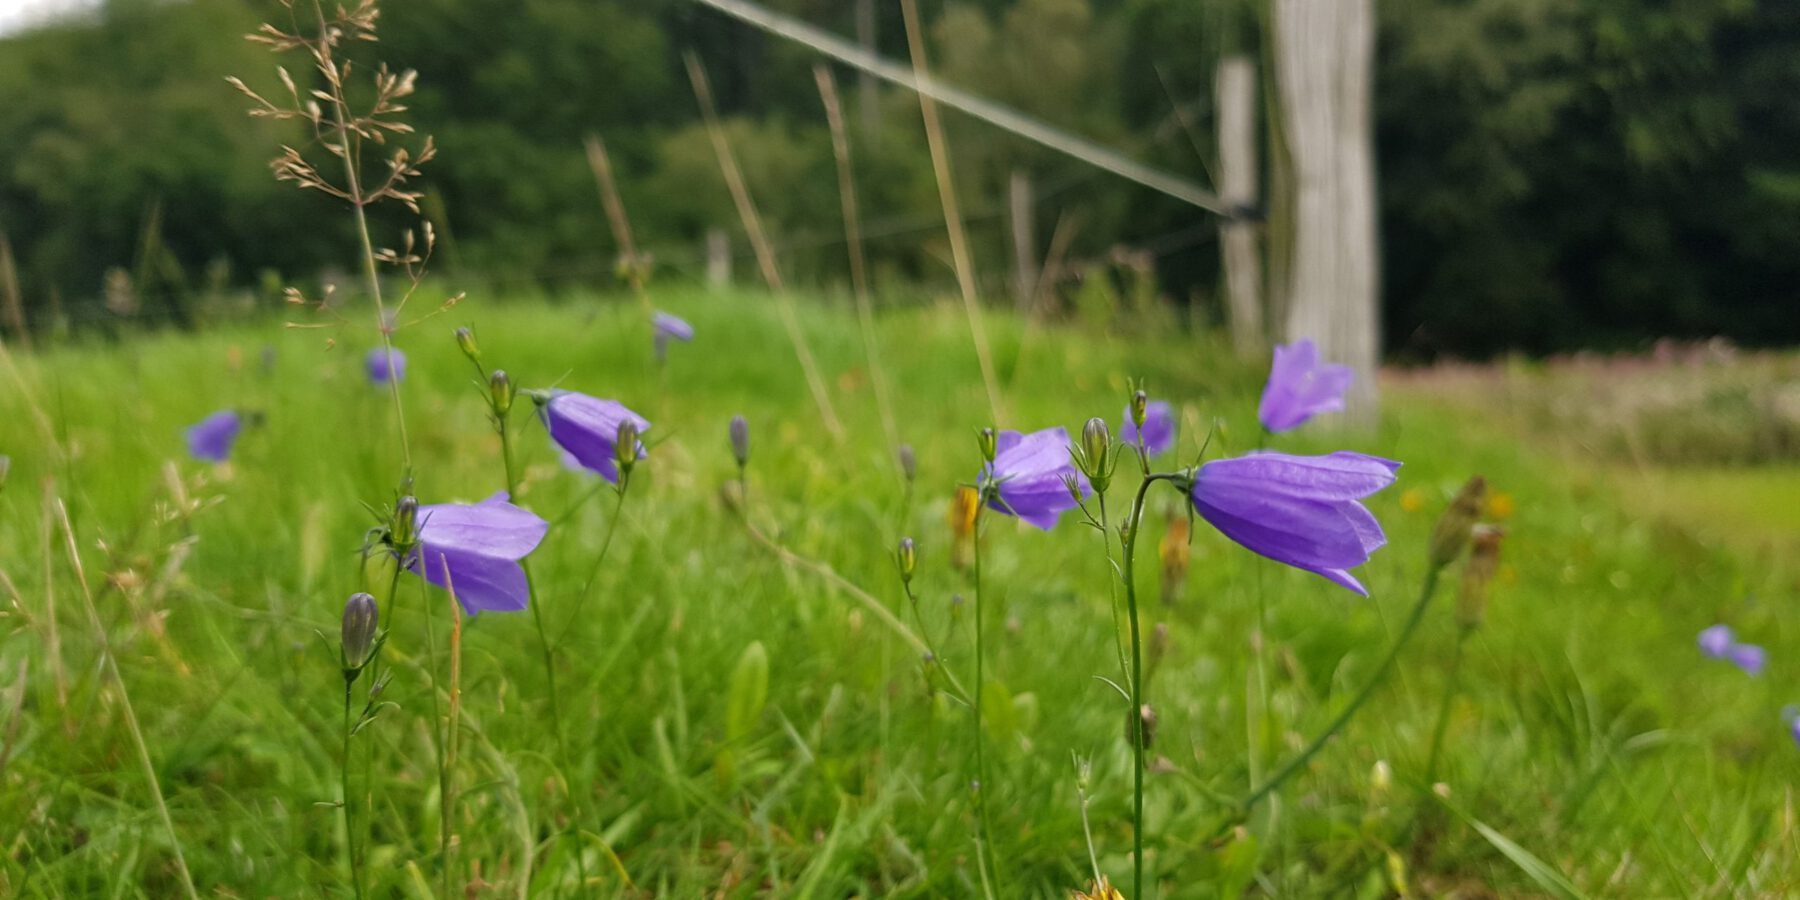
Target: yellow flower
[(1099, 890), (1173, 551), (1412, 500), (1499, 505), (964, 504)]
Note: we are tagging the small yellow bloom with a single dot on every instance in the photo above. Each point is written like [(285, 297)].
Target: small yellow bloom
[(1412, 500), (1173, 551), (964, 505), (1099, 890), (1499, 505)]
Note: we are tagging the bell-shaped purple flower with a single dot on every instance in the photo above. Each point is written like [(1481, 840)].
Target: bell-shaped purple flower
[(480, 545), (1300, 388), (1298, 510), (1030, 475), (385, 365), (669, 328), (210, 440), (1717, 641), (1748, 657), (1159, 428), (586, 428)]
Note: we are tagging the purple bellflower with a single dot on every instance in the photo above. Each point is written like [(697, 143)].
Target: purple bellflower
[(210, 440), (1716, 642), (667, 328), (1159, 428), (1748, 657), (385, 366), (1298, 510), (1030, 476), (480, 545), (1300, 387), (586, 428)]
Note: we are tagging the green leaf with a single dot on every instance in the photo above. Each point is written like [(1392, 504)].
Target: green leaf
[(749, 692)]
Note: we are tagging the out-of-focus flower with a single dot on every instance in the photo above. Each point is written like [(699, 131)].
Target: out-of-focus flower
[(1748, 657), (587, 427), (1173, 552), (908, 558), (1717, 641), (1300, 387), (211, 438), (481, 545), (909, 462), (1029, 476), (1299, 510), (1158, 431), (1412, 500), (1478, 574), (465, 341), (964, 504), (1500, 505), (739, 433), (669, 328), (385, 365)]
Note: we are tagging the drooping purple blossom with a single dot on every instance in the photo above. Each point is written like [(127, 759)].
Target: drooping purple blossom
[(211, 438), (1300, 387), (384, 365), (1159, 428), (586, 428), (1298, 510), (1717, 641), (481, 545), (668, 328), (1030, 474)]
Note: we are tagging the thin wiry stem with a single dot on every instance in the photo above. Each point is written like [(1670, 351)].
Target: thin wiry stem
[(984, 835), (1386, 665), (131, 720), (1135, 715), (356, 881), (1443, 716)]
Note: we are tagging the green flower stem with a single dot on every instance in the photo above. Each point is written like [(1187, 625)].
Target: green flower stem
[(356, 881), (984, 851), (1134, 716), (1386, 666)]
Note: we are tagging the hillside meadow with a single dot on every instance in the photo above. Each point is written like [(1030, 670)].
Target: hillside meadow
[(743, 711)]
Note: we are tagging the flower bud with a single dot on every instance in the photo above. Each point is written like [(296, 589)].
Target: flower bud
[(465, 340), (989, 444), (406, 521), (1096, 452), (1144, 723), (360, 621), (908, 558), (1140, 405), (1074, 485), (500, 391), (740, 440), (625, 448), (1484, 561), (909, 464), (1452, 532)]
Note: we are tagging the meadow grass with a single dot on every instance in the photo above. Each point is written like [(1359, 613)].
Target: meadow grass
[(1591, 750)]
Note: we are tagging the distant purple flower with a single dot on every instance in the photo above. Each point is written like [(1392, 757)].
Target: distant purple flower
[(481, 545), (668, 327), (1159, 428), (586, 428), (1794, 729), (1748, 657), (1300, 388), (211, 439), (385, 365), (1298, 510), (1717, 641), (1030, 473)]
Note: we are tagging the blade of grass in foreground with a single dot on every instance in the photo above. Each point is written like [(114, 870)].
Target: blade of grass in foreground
[(1540, 872)]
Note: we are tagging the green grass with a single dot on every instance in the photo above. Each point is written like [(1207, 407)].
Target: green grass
[(1592, 751)]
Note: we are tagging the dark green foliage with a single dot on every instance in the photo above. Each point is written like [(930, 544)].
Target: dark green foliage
[(1552, 174)]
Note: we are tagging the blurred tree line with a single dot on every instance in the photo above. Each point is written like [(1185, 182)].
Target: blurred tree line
[(1552, 173)]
